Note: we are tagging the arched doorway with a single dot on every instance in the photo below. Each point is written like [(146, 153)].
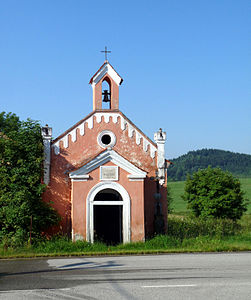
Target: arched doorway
[(108, 213), (108, 219)]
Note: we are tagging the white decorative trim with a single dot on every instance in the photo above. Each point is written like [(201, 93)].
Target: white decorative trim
[(152, 151), (90, 122), (123, 123), (138, 137), (130, 130), (115, 118), (107, 117), (82, 128), (80, 177), (145, 144), (107, 69), (135, 177), (73, 134), (56, 147), (108, 202), (104, 157), (65, 141), (98, 118), (126, 203)]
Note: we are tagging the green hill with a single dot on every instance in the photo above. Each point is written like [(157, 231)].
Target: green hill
[(179, 206), (236, 163)]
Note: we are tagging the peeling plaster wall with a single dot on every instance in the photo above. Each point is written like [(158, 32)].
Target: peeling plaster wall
[(81, 142)]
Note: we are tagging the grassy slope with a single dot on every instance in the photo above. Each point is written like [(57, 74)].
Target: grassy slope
[(179, 205)]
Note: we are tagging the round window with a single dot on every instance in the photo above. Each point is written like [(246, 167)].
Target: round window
[(106, 139)]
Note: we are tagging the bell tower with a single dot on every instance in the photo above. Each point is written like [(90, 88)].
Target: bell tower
[(105, 86)]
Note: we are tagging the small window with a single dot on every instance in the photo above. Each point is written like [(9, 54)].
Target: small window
[(106, 139)]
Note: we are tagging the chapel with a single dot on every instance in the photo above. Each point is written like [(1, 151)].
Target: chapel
[(104, 176)]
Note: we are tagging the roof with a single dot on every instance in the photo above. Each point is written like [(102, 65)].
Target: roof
[(104, 69), (89, 119), (72, 127), (108, 116)]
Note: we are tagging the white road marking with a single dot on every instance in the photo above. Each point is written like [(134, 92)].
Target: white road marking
[(169, 285), (57, 294)]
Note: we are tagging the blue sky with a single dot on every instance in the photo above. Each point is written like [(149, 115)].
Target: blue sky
[(185, 65)]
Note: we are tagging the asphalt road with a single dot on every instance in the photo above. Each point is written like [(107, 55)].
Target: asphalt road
[(173, 276)]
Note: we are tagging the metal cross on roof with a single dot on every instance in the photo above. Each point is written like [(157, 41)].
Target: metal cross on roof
[(106, 51)]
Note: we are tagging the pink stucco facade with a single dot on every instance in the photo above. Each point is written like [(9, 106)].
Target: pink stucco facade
[(133, 154)]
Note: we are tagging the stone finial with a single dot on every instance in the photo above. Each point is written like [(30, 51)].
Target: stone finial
[(160, 136), (160, 139), (47, 136), (46, 132)]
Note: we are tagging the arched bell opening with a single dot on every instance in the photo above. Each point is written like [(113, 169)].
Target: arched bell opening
[(106, 93)]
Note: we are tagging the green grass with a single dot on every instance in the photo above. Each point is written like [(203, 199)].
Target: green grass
[(185, 234), (159, 244), (179, 206), (246, 186)]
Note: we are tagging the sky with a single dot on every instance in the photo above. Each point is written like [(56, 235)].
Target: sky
[(185, 65)]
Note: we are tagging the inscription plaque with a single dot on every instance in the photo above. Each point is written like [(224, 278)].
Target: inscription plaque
[(109, 173)]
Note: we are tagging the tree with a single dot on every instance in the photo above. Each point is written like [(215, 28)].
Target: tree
[(21, 157), (214, 193), (236, 163)]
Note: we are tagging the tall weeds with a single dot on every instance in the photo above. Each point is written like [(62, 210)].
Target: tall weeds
[(191, 227), (185, 234)]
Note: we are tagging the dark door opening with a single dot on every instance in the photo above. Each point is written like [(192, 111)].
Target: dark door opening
[(108, 224)]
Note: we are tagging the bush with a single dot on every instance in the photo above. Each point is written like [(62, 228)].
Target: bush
[(190, 227), (215, 193)]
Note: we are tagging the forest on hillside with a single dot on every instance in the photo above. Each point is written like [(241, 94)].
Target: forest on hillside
[(236, 163)]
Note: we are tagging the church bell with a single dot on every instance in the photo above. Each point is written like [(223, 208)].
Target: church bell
[(106, 96)]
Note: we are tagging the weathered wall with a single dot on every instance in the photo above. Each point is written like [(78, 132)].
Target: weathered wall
[(83, 149)]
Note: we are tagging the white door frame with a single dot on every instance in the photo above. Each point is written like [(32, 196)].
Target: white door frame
[(126, 203)]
